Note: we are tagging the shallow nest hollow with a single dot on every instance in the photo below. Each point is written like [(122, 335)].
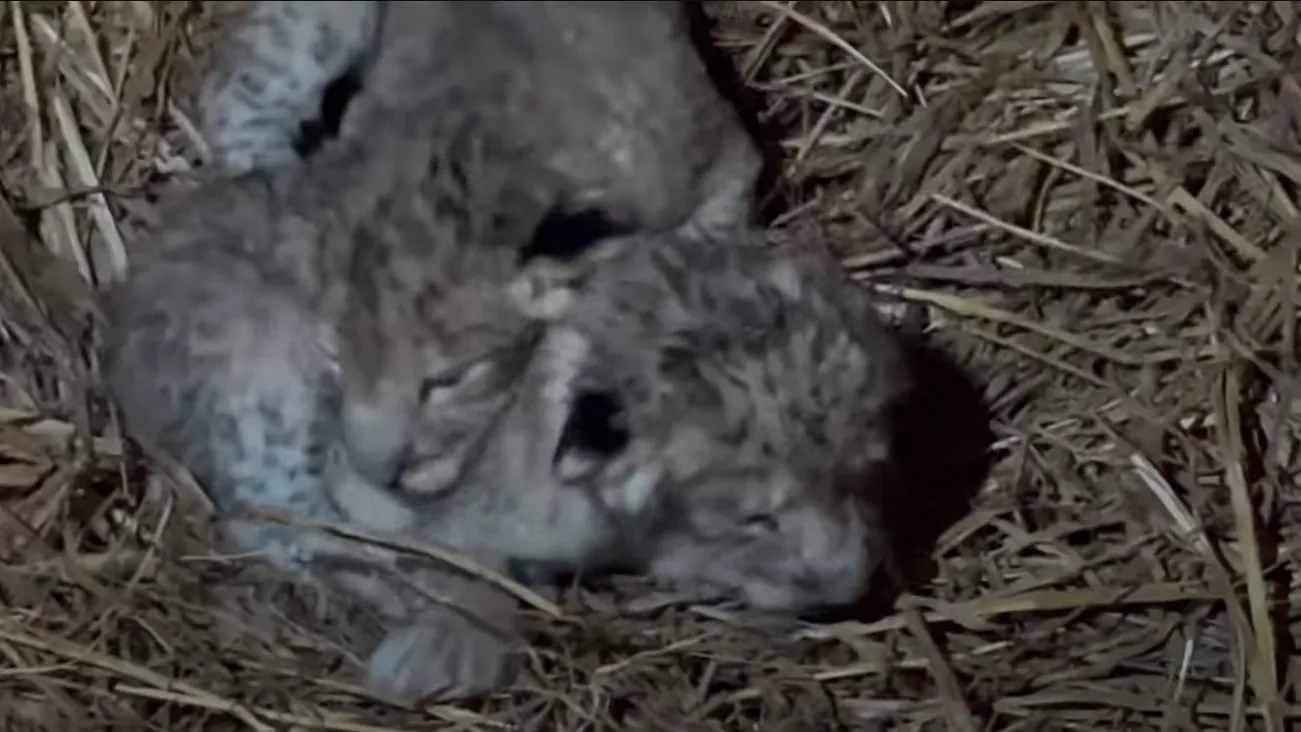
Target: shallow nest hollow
[(1091, 208)]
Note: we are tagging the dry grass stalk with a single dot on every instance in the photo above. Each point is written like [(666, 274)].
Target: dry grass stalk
[(1092, 205)]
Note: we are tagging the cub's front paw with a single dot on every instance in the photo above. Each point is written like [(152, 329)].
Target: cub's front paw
[(443, 655)]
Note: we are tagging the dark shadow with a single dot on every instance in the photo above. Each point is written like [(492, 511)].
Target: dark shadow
[(750, 106), (945, 450), (314, 132), (943, 456)]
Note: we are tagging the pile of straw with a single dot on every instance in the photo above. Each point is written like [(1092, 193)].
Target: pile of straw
[(1090, 207)]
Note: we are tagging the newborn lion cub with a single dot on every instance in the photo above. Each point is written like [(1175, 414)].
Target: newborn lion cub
[(729, 413), (269, 302), (613, 96)]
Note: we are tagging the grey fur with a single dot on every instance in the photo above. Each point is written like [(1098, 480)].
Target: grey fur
[(613, 96)]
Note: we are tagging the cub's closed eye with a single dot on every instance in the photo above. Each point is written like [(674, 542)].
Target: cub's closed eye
[(446, 380), (564, 235), (765, 522)]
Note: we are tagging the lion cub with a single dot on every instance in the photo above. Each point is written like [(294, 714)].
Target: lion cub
[(612, 96), (274, 314), (707, 412)]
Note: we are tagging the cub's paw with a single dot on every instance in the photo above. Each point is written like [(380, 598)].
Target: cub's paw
[(444, 655)]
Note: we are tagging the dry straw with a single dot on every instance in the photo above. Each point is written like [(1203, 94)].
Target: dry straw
[(1089, 206)]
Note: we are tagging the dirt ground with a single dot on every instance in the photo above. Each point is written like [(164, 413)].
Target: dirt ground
[(1093, 208)]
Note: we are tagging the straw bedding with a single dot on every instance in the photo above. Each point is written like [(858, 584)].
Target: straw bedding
[(1091, 209)]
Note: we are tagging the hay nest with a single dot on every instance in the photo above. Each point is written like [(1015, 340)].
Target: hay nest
[(1093, 208)]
